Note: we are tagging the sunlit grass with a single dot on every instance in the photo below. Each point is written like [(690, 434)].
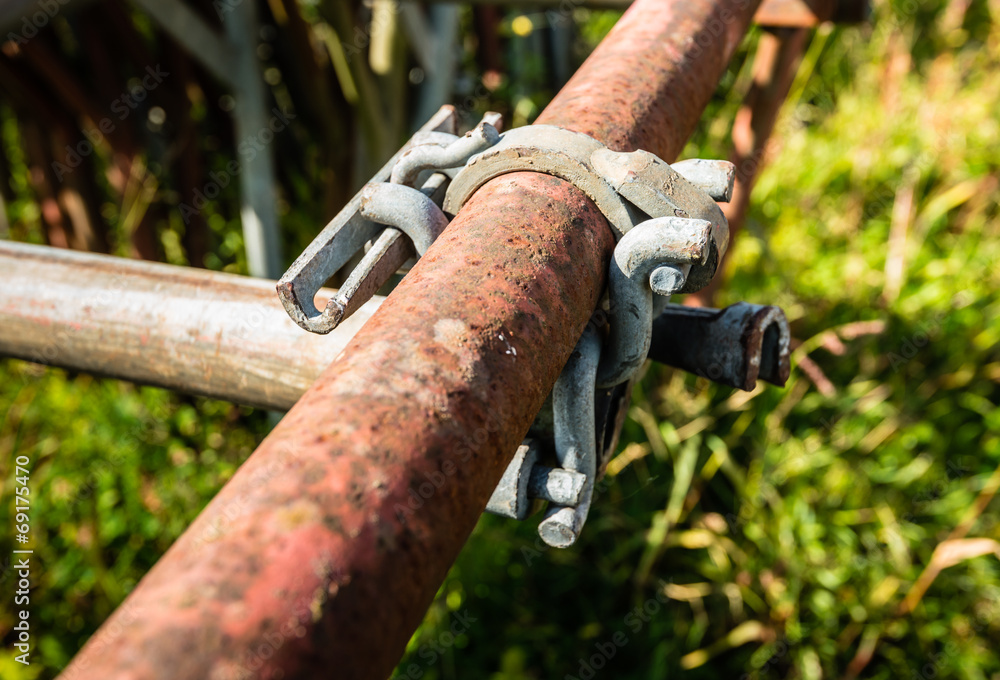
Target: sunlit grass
[(842, 526)]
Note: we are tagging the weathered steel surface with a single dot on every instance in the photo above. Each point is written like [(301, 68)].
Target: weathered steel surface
[(345, 236), (191, 330), (323, 552), (647, 83), (575, 440), (526, 480), (734, 346), (714, 177), (660, 191), (406, 209), (328, 545), (676, 242), (431, 156), (790, 13), (551, 150)]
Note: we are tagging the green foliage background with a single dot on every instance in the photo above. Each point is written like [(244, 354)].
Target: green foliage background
[(785, 533)]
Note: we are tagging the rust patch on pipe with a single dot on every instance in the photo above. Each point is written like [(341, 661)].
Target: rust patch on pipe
[(647, 83), (328, 545), (423, 410)]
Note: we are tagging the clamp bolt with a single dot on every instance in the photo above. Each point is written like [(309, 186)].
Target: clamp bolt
[(667, 279)]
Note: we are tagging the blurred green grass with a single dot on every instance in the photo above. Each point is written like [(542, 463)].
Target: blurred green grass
[(786, 533)]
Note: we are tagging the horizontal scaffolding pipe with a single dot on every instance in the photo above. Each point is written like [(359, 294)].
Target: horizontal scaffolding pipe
[(316, 551), (224, 336), (191, 330)]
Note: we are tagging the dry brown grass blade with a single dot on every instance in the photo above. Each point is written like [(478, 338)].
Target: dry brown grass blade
[(956, 548), (748, 631), (947, 554), (866, 650), (817, 376)]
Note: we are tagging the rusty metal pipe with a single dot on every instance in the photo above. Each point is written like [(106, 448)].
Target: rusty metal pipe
[(220, 335), (787, 13), (207, 333), (644, 87), (324, 551)]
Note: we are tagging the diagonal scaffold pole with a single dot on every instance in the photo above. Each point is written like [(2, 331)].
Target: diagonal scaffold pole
[(324, 551)]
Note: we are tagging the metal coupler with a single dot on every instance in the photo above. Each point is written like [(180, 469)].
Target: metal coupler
[(671, 237)]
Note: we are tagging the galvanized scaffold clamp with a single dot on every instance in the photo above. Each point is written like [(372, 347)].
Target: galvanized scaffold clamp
[(671, 237), (394, 217)]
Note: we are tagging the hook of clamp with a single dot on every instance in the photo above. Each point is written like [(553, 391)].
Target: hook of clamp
[(671, 237)]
